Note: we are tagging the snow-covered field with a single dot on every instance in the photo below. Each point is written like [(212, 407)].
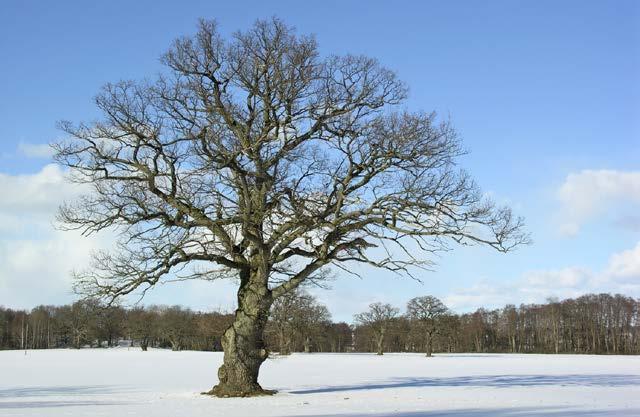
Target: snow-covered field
[(121, 382)]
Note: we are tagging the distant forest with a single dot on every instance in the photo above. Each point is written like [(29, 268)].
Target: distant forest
[(595, 324)]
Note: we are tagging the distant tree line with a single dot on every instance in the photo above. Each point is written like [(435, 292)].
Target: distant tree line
[(88, 323), (597, 324), (594, 323)]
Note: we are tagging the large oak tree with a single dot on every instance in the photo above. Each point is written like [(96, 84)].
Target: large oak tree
[(378, 318), (257, 158), (426, 313)]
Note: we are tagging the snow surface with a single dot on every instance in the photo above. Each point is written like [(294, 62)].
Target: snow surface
[(122, 382)]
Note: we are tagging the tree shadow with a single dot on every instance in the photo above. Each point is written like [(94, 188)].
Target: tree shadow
[(33, 393), (55, 404), (502, 412), (497, 381), (56, 390)]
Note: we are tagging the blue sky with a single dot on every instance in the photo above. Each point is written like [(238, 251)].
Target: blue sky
[(545, 94)]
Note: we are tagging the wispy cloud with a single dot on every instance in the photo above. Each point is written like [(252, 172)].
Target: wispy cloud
[(40, 193), (621, 274), (590, 193), (35, 259), (30, 150)]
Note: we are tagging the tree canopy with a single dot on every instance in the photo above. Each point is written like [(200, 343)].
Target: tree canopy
[(255, 157), (257, 152)]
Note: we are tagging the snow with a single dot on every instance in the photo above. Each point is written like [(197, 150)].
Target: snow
[(129, 382)]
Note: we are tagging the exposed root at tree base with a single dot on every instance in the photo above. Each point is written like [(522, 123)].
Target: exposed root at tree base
[(225, 393)]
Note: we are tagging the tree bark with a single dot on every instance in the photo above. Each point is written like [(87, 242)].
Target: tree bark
[(283, 342), (380, 343), (307, 344), (243, 343)]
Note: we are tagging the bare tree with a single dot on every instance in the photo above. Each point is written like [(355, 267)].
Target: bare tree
[(108, 324), (340, 337), (526, 328), (312, 319), (426, 313), (209, 329), (256, 158), (283, 313), (175, 325), (509, 325), (378, 318), (79, 317), (449, 332), (298, 315), (554, 322), (143, 326)]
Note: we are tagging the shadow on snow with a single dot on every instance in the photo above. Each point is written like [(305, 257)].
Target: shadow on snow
[(498, 381), (57, 390), (55, 404), (74, 391), (502, 412)]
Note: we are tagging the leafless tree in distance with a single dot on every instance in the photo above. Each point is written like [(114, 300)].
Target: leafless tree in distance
[(377, 318), (297, 314), (425, 314), (143, 326), (256, 158)]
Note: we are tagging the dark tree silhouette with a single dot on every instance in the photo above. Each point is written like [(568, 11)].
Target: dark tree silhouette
[(593, 323), (378, 318), (256, 158), (425, 313)]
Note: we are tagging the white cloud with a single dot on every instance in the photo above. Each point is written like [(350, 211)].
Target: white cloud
[(35, 259), (479, 295), (36, 271), (624, 267), (621, 274), (31, 150), (41, 193), (569, 277), (589, 193)]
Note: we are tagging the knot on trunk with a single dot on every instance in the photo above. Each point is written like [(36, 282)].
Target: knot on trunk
[(222, 374), (263, 354)]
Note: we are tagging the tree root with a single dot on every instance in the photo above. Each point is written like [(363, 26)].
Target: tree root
[(225, 392)]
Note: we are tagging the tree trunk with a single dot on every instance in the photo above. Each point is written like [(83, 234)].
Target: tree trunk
[(175, 345), (283, 342), (243, 343), (307, 344), (380, 344), (429, 346)]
